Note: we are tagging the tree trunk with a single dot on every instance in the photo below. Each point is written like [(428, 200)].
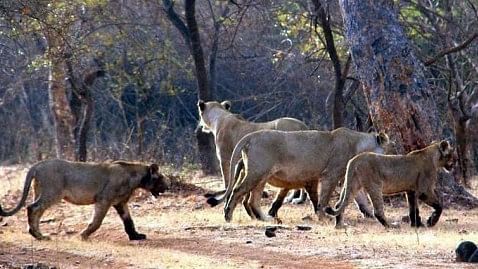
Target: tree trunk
[(399, 98), (58, 101), (205, 141), (82, 106), (461, 137), (323, 19), (88, 107), (84, 128), (196, 51)]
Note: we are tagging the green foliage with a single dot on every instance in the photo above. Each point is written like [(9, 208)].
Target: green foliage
[(296, 24), (414, 17)]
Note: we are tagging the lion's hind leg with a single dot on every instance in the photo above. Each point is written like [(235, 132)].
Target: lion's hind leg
[(376, 196), (255, 202), (35, 212), (247, 207), (301, 199), (297, 197), (242, 187), (99, 214), (123, 212), (362, 203), (42, 201), (432, 200)]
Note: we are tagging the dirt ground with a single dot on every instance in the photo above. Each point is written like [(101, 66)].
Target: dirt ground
[(184, 232)]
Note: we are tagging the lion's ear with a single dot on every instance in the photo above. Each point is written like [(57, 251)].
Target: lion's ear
[(382, 138), (226, 105), (445, 146), (201, 105), (154, 168)]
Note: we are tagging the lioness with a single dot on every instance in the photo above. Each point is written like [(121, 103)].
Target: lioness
[(291, 160), (414, 173), (229, 128), (102, 184)]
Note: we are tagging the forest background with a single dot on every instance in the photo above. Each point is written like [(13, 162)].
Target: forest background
[(120, 79)]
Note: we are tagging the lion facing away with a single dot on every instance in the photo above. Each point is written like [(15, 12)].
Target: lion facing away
[(290, 160), (414, 173), (102, 184), (229, 128)]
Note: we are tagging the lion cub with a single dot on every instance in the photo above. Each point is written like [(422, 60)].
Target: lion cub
[(414, 173), (102, 184)]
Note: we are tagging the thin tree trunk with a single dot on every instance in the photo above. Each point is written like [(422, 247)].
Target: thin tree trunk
[(205, 141), (82, 107), (58, 101), (212, 61), (84, 129), (399, 98), (89, 105), (323, 18)]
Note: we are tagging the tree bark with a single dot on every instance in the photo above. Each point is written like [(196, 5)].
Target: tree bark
[(399, 98), (196, 50), (323, 19), (205, 141), (455, 104), (88, 108), (58, 101)]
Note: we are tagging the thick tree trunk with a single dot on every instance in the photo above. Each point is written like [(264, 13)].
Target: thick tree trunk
[(58, 101), (205, 141), (399, 98), (196, 50)]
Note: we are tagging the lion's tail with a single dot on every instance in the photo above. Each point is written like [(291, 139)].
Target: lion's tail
[(235, 171), (26, 188), (346, 193)]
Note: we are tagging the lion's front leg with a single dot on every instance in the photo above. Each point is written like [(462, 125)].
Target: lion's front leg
[(311, 188), (414, 214), (123, 212), (224, 162)]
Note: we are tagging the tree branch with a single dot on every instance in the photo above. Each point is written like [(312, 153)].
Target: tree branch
[(457, 48), (177, 22), (322, 17)]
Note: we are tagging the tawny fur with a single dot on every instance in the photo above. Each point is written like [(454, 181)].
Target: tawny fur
[(414, 173), (102, 184), (299, 159), (229, 128)]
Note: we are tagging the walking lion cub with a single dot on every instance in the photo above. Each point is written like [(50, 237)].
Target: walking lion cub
[(414, 173)]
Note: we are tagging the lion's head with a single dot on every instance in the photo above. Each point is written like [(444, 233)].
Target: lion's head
[(154, 181), (447, 155), (209, 111)]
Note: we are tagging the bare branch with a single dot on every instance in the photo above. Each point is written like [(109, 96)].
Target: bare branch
[(176, 20), (457, 48)]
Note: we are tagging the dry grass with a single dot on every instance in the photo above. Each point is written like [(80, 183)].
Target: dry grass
[(188, 234)]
